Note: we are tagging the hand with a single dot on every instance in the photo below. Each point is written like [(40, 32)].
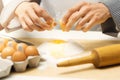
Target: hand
[(33, 17), (86, 15)]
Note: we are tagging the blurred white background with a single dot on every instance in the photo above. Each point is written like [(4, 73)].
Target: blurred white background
[(5, 2)]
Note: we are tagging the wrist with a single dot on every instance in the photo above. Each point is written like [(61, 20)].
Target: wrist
[(108, 14)]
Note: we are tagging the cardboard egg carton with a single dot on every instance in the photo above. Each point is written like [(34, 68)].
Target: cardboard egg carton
[(7, 64), (5, 67)]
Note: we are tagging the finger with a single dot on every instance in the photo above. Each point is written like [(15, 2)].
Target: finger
[(31, 13), (90, 24), (71, 11), (43, 25), (84, 20), (42, 13), (29, 22), (32, 25), (76, 16), (24, 25), (38, 29), (72, 21), (35, 20)]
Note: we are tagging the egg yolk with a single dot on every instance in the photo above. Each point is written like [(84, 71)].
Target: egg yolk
[(58, 41)]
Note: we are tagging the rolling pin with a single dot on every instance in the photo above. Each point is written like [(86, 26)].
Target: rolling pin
[(99, 57)]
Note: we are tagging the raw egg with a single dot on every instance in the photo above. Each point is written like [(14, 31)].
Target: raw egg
[(31, 51), (58, 41), (18, 56), (8, 51)]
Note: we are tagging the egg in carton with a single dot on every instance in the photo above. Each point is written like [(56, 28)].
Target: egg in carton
[(21, 55)]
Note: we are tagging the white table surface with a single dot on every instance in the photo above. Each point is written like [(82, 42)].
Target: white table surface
[(81, 72)]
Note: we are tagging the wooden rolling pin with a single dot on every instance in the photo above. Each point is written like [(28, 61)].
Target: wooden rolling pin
[(100, 57)]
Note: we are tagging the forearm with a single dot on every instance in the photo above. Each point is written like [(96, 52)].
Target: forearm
[(109, 28), (112, 25), (9, 10)]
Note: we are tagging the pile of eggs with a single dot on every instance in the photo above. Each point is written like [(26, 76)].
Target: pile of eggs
[(21, 54)]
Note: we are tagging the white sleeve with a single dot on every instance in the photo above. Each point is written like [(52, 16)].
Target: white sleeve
[(1, 5), (7, 13)]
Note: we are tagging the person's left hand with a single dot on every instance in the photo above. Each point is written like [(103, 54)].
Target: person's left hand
[(86, 15)]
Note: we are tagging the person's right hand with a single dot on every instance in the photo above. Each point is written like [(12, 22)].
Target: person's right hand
[(33, 17), (84, 16)]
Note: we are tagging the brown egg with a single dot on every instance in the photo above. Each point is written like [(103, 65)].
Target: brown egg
[(23, 45), (3, 42), (58, 41), (8, 51), (12, 44), (2, 46), (18, 56), (31, 51)]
